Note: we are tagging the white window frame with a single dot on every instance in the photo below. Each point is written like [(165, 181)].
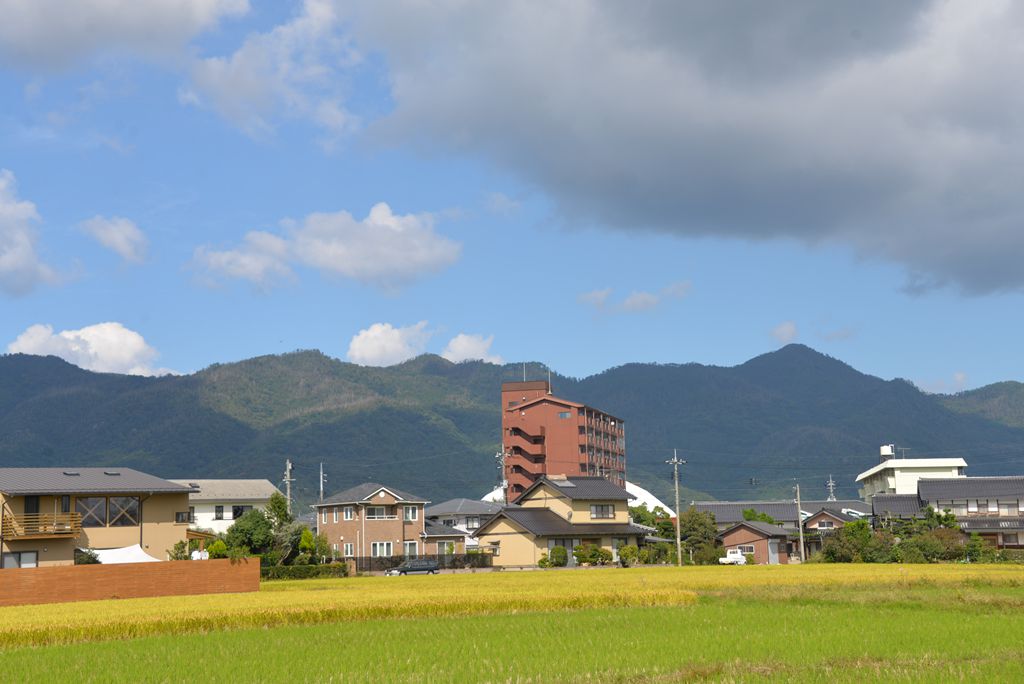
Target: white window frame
[(826, 524), (415, 549), (348, 549), (746, 548), (595, 508), (472, 522), (372, 515), (323, 516), (972, 506), (410, 513), (377, 547), (349, 513), (335, 514)]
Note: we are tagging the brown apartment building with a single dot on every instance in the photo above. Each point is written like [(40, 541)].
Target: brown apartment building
[(372, 520), (546, 435)]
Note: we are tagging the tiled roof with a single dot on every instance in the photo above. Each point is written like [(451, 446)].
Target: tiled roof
[(584, 488), (359, 494), (544, 522), (946, 489), (436, 529), (991, 524), (837, 514), (727, 512), (861, 507), (895, 504), (462, 507), (230, 490), (767, 529), (20, 481)]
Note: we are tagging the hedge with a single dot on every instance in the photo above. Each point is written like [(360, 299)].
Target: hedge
[(275, 572)]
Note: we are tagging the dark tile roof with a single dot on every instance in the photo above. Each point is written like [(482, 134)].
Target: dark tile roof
[(946, 489), (20, 481), (900, 505), (436, 529), (592, 488), (359, 493), (767, 529), (991, 524), (462, 507), (835, 513), (544, 522), (862, 507), (728, 512)]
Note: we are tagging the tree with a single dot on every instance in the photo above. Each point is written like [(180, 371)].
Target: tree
[(306, 542), (559, 557), (697, 529), (754, 515), (286, 541), (277, 511), (252, 531), (218, 549), (179, 551), (659, 519)]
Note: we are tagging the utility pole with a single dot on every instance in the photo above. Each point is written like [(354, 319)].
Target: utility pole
[(675, 463), (322, 480), (288, 483), (831, 486), (800, 522)]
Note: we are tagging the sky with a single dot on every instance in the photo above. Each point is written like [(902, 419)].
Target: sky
[(187, 182)]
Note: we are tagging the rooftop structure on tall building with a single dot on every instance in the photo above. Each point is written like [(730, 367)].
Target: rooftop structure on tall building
[(545, 435), (900, 475)]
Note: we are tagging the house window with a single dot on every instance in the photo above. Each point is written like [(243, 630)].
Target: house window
[(335, 514), (376, 513), (602, 511), (20, 559), (65, 504), (445, 548), (959, 509), (93, 510), (349, 513), (218, 512), (825, 525), (191, 514), (472, 522), (993, 506), (181, 517), (1007, 509), (1010, 539), (124, 511), (323, 516), (238, 511), (410, 513), (972, 506), (746, 548), (450, 522), (564, 414), (380, 549), (410, 549), (348, 549), (334, 550)]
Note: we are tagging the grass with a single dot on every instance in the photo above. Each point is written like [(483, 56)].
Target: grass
[(809, 623)]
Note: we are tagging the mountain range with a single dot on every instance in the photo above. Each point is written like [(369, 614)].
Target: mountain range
[(432, 427)]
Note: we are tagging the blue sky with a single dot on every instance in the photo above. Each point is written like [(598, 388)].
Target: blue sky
[(202, 182)]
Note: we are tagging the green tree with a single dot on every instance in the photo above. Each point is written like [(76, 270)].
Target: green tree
[(179, 551), (697, 529), (754, 515), (277, 511), (286, 542), (252, 531), (218, 549), (306, 542), (559, 557), (628, 554), (848, 543)]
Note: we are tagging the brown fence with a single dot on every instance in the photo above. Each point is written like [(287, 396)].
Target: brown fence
[(56, 584)]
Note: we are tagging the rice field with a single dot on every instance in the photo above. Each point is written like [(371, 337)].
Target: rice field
[(810, 623)]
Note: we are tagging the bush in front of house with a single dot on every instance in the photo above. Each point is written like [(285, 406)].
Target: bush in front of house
[(559, 557), (276, 572), (629, 554), (590, 554), (179, 551), (86, 557), (218, 549)]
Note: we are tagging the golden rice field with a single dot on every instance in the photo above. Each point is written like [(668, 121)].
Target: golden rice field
[(881, 622)]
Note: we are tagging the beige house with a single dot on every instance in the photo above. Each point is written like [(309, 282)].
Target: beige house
[(46, 513), (560, 511)]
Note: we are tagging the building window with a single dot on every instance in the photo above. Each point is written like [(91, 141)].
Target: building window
[(380, 549), (238, 511), (349, 513), (334, 550), (335, 514), (323, 516), (181, 517), (825, 525), (746, 548), (410, 513), (602, 511), (972, 506), (410, 549), (1010, 539), (65, 504), (93, 510), (349, 549), (1007, 509), (191, 514), (450, 522), (472, 522), (993, 506), (20, 559), (124, 511), (564, 414), (376, 513), (218, 512)]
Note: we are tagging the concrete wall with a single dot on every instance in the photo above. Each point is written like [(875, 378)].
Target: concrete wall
[(132, 580)]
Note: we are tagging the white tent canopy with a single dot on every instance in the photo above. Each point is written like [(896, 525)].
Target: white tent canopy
[(128, 554)]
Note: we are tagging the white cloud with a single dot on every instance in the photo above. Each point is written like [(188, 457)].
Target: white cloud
[(957, 383), (294, 70), (636, 301), (382, 344), (120, 235), (464, 347), (21, 269), (48, 35), (639, 301), (104, 347), (596, 298), (384, 249), (785, 332)]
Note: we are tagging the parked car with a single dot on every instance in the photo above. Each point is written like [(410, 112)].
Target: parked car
[(733, 557), (420, 565)]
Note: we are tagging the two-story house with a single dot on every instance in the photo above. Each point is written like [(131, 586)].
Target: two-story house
[(991, 506), (216, 504), (465, 515), (372, 520), (46, 513), (560, 511)]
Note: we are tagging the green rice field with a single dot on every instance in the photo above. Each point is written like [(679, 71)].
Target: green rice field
[(827, 623)]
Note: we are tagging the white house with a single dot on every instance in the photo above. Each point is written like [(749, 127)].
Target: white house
[(900, 475), (218, 503), (465, 515)]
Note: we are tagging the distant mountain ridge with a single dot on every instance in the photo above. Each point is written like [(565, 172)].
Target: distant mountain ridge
[(432, 427)]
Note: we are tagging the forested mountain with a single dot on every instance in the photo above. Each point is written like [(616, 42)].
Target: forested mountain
[(432, 427)]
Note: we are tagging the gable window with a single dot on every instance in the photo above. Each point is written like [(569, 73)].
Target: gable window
[(124, 511), (602, 511), (238, 511), (380, 549), (410, 514), (93, 510), (335, 514), (218, 512), (825, 524), (349, 513)]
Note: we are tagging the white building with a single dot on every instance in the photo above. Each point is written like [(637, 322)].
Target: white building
[(900, 475), (218, 503), (465, 515)]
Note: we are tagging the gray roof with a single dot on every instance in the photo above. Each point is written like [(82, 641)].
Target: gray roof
[(436, 529), (592, 488), (20, 481), (862, 507), (727, 512), (359, 494), (836, 513), (544, 522), (990, 524), (947, 489), (462, 507), (900, 505), (764, 528), (230, 490)]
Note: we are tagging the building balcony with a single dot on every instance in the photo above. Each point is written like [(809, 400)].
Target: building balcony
[(381, 517), (41, 525)]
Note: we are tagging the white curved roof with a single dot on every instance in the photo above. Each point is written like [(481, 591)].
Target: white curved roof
[(639, 495)]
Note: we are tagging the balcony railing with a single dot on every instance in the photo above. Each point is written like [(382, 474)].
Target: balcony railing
[(41, 525), (382, 517)]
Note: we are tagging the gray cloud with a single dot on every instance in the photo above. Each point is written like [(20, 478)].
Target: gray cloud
[(895, 129)]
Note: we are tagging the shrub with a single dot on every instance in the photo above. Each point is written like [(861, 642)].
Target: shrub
[(544, 562), (977, 550), (628, 554), (301, 559), (218, 549), (253, 531), (749, 557), (1011, 555), (304, 571), (86, 557), (644, 556), (590, 554), (909, 553), (707, 554), (559, 557), (179, 551)]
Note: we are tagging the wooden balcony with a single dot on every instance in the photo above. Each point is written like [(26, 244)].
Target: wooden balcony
[(41, 525)]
